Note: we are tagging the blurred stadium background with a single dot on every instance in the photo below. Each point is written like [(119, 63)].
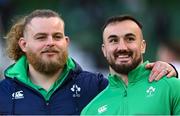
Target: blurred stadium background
[(84, 19)]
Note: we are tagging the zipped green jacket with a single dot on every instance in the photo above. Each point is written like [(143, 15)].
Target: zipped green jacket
[(139, 97)]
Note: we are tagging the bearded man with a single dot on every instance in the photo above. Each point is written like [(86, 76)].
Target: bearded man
[(129, 91)]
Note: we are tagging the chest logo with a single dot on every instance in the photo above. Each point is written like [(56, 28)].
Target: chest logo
[(75, 89), (150, 91), (102, 109), (18, 95)]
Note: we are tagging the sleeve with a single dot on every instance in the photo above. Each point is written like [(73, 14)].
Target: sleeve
[(175, 97), (177, 75)]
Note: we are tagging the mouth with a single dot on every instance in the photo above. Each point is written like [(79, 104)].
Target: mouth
[(50, 52), (123, 57)]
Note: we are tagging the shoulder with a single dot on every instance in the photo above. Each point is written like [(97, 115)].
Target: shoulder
[(6, 84), (91, 81), (6, 89), (89, 76), (81, 74), (172, 82)]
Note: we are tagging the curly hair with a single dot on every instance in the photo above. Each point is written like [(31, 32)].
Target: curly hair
[(17, 31)]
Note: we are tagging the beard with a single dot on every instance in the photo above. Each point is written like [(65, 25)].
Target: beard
[(47, 67), (125, 68)]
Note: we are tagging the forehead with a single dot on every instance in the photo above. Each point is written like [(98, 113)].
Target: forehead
[(45, 24), (121, 28)]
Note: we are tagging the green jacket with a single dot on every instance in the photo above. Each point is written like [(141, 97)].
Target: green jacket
[(139, 97)]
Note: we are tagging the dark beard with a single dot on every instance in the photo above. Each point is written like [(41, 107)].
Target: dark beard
[(125, 68), (47, 67)]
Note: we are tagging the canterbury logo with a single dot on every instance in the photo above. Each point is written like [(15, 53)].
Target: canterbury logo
[(18, 95), (102, 109)]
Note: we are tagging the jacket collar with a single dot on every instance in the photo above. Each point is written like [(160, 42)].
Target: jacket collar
[(19, 69), (133, 76)]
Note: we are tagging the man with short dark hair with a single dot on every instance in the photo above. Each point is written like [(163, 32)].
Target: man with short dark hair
[(128, 91)]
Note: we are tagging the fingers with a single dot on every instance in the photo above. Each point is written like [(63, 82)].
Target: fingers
[(153, 75), (159, 69), (160, 75), (157, 75), (149, 65), (171, 73), (154, 72)]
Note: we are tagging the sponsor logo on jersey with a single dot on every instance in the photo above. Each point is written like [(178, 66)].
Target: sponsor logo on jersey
[(102, 109)]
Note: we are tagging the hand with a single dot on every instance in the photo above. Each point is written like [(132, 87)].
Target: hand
[(159, 69)]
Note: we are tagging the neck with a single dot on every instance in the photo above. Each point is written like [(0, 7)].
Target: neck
[(124, 77), (40, 79)]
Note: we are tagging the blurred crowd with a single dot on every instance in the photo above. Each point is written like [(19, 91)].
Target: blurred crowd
[(84, 19)]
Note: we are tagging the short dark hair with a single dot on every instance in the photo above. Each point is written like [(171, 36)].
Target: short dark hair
[(121, 18)]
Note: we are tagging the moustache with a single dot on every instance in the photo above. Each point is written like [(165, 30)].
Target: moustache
[(123, 52), (50, 50)]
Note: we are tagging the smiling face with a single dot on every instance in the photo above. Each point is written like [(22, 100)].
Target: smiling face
[(45, 44), (123, 46)]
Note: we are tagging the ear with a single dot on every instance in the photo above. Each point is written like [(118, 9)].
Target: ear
[(103, 50), (143, 46), (67, 40), (22, 43)]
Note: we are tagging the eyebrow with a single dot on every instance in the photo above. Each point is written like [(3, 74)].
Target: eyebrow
[(112, 36), (130, 34), (39, 34)]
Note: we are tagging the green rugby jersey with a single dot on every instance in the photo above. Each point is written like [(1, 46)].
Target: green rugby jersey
[(139, 97)]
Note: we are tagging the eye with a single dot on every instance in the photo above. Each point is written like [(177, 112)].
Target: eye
[(40, 37), (130, 39), (58, 37), (113, 39)]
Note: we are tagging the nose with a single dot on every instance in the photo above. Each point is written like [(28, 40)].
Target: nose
[(122, 44), (50, 41)]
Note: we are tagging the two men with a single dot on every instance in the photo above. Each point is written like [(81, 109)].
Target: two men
[(45, 79), (129, 92)]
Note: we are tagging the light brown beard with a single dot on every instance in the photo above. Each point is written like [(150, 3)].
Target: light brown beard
[(47, 67)]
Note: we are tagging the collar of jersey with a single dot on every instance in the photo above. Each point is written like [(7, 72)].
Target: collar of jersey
[(133, 76)]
